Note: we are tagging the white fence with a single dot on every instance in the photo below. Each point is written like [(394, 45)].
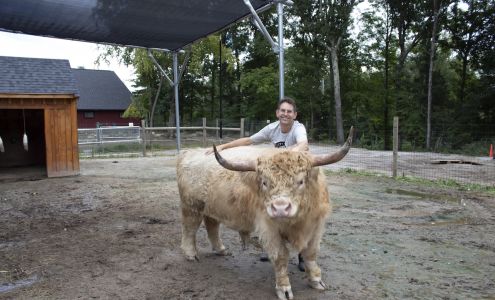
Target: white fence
[(136, 140), (105, 135)]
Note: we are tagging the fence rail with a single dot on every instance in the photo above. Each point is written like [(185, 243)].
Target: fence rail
[(145, 141)]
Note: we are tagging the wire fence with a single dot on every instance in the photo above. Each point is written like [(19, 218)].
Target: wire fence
[(476, 167)]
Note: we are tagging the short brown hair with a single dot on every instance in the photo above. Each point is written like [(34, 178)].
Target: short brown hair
[(289, 101)]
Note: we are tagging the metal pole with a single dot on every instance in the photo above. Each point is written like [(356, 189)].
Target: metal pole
[(220, 85), (159, 67), (280, 12), (176, 93), (260, 25)]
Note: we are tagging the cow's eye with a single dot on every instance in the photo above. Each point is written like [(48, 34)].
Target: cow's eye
[(264, 184), (300, 182)]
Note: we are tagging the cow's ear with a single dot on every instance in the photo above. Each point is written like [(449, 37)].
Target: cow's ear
[(314, 173)]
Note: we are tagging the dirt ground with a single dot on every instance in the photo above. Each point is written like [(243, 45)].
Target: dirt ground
[(114, 233)]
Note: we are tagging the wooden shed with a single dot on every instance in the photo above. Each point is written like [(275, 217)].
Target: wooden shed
[(38, 97)]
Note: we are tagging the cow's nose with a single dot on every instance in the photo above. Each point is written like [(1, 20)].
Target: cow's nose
[(281, 208)]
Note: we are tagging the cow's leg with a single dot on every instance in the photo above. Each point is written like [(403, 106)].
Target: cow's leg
[(312, 269), (191, 220), (280, 263), (245, 237), (213, 229), (278, 253), (309, 255)]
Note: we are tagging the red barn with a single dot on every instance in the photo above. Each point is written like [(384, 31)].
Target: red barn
[(103, 98)]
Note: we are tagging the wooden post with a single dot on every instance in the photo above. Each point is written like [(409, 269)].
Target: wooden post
[(143, 136), (242, 128), (395, 146), (216, 130), (98, 139), (204, 132)]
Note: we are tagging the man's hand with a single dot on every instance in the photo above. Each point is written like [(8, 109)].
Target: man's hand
[(210, 150), (235, 143), (301, 146)]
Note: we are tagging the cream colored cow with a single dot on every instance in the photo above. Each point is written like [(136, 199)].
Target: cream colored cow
[(280, 195)]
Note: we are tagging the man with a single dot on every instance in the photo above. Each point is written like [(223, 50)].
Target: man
[(284, 133)]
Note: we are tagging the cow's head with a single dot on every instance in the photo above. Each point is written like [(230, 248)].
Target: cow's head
[(286, 177)]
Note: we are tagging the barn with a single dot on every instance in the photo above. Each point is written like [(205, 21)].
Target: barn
[(38, 100), (103, 99)]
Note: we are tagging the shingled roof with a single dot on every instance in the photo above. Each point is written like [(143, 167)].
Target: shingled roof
[(23, 75), (101, 90)]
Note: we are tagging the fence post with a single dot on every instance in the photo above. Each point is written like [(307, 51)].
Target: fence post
[(395, 146), (267, 121), (143, 136), (242, 128), (98, 138), (204, 132), (216, 129)]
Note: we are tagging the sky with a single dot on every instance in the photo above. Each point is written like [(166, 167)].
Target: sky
[(79, 54)]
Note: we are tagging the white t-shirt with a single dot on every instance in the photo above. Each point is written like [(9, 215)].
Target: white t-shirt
[(273, 133)]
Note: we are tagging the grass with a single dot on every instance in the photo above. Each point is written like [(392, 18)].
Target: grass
[(449, 183), (443, 183)]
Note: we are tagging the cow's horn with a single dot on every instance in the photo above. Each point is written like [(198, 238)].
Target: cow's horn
[(242, 166), (326, 159)]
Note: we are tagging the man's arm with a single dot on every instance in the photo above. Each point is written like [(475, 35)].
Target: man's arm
[(245, 141), (301, 139), (300, 146)]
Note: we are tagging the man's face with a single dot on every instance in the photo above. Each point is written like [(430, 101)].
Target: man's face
[(286, 114)]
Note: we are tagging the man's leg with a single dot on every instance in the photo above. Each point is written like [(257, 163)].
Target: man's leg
[(300, 265), (264, 256)]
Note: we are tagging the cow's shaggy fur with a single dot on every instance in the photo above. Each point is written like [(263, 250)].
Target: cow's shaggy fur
[(241, 201)]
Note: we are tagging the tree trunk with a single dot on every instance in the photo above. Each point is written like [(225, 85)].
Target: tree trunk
[(171, 117), (237, 73), (386, 131), (152, 114), (430, 72), (400, 64), (336, 92), (463, 76), (212, 99)]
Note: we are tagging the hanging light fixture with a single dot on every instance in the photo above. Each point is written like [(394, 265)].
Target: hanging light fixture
[(24, 137)]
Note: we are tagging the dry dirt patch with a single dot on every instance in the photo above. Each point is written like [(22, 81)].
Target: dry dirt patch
[(114, 232)]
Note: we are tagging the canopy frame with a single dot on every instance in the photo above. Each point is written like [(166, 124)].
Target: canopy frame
[(174, 84), (278, 48), (109, 25)]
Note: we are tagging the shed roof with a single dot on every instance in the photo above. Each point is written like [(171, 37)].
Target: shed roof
[(23, 75), (101, 90), (163, 24)]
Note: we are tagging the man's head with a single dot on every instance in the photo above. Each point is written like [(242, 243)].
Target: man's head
[(286, 111)]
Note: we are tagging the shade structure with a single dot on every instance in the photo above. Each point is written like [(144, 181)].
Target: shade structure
[(158, 24)]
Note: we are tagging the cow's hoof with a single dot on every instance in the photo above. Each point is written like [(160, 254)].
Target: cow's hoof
[(318, 285), (192, 258), (222, 252), (284, 292)]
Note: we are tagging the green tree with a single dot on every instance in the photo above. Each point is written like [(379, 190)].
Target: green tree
[(330, 21)]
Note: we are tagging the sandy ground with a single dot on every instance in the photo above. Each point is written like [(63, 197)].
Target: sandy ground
[(114, 232)]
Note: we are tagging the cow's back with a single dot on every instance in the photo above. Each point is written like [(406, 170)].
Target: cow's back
[(227, 196), (195, 166)]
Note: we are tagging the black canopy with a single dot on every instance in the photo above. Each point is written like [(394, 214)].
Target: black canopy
[(162, 24)]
